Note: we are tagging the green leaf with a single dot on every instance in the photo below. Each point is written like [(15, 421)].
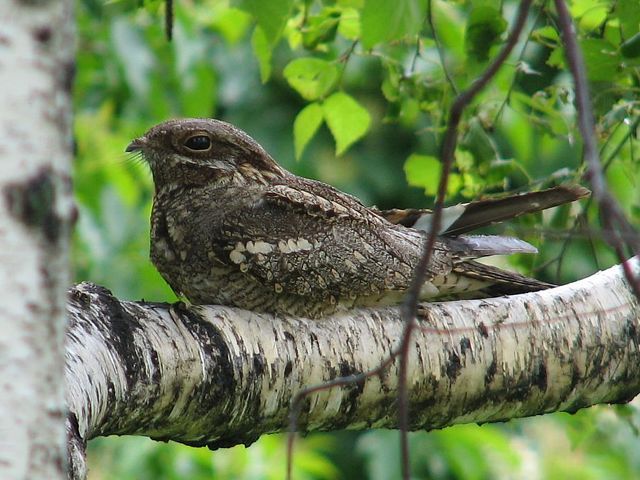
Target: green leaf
[(450, 28), (545, 34), (311, 77), (271, 15), (230, 22), (348, 121), (628, 15), (589, 14), (601, 59), (631, 48), (306, 125), (262, 51), (349, 26), (556, 58), (484, 28), (321, 28), (423, 171), (477, 141), (383, 20)]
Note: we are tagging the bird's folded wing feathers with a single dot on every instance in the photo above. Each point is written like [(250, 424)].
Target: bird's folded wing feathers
[(313, 242), (316, 199), (500, 282)]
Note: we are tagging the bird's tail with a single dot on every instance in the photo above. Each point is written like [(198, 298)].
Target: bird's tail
[(466, 217)]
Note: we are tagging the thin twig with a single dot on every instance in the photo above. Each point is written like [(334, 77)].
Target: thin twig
[(296, 403), (436, 39), (168, 19), (583, 217), (409, 308), (612, 216), (344, 60), (513, 80)]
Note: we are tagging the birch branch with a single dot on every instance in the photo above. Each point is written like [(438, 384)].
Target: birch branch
[(220, 376)]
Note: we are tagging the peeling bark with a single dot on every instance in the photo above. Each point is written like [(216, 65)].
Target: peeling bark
[(218, 376), (36, 210)]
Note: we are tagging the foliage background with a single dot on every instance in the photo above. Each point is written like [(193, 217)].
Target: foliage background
[(356, 93)]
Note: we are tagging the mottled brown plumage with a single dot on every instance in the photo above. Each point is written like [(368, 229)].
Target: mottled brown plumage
[(230, 226)]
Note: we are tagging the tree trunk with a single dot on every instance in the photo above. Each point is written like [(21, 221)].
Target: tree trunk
[(220, 376), (36, 207)]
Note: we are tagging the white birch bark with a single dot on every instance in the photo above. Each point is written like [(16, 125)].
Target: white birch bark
[(36, 71), (219, 376)]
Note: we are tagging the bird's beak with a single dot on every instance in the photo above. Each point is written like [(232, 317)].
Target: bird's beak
[(136, 145)]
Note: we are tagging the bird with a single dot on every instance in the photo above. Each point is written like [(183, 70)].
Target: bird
[(230, 226)]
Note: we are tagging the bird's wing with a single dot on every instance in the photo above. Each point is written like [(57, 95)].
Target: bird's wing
[(320, 244)]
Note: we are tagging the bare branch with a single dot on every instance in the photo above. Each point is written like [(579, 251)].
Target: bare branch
[(618, 231)]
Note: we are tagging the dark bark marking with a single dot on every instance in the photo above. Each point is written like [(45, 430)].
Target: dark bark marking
[(576, 375), (155, 374), (454, 365), (631, 330), (484, 331), (32, 203), (67, 77), (258, 365), (540, 376), (77, 296), (122, 324), (491, 372), (217, 388), (578, 404), (346, 369), (111, 393), (43, 34), (86, 289), (518, 391), (76, 445), (74, 428), (350, 400), (465, 345)]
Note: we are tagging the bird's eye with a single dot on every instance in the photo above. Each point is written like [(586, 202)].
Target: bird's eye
[(198, 142)]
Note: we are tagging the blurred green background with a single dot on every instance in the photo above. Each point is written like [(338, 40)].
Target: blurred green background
[(356, 93)]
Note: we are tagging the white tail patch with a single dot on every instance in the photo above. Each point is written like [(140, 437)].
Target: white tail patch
[(449, 215)]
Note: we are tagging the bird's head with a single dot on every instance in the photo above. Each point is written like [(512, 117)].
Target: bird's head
[(203, 151)]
